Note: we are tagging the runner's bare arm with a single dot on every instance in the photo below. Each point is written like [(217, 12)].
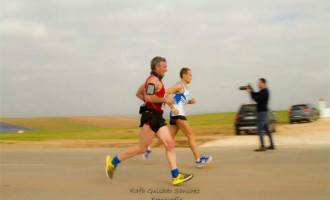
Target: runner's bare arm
[(154, 98), (172, 90), (140, 92)]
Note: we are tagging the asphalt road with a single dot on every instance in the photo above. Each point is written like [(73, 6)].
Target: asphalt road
[(290, 172)]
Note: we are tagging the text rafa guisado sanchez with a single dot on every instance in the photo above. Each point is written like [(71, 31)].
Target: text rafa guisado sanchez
[(164, 191)]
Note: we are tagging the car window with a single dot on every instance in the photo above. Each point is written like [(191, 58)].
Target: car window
[(249, 108), (299, 107)]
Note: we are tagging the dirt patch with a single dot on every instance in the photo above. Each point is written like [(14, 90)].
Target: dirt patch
[(108, 122), (322, 125), (106, 143), (316, 133), (73, 123)]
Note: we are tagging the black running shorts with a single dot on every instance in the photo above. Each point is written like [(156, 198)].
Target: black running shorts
[(154, 119), (175, 118)]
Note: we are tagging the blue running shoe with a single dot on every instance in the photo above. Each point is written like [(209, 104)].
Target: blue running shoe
[(203, 160), (146, 154)]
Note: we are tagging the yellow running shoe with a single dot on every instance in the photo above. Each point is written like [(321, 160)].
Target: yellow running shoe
[(181, 178), (109, 167)]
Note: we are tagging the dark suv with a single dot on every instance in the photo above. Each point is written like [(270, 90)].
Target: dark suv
[(303, 112), (246, 119)]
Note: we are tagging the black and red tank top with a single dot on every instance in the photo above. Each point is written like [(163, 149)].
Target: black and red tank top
[(160, 93)]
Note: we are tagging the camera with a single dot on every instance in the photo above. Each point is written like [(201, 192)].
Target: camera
[(245, 87)]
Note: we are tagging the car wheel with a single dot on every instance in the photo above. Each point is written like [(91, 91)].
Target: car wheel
[(291, 122), (238, 132)]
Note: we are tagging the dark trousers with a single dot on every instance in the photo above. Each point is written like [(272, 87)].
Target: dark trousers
[(263, 125)]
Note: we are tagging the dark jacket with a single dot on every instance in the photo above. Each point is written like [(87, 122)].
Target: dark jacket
[(261, 98)]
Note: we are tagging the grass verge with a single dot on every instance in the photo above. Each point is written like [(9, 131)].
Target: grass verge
[(63, 129)]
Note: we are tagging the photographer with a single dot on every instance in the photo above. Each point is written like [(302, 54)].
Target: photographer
[(261, 98)]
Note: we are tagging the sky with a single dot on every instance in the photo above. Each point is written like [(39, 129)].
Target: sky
[(87, 58)]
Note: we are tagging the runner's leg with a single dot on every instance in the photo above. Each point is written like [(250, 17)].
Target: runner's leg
[(146, 136), (177, 176), (186, 129), (165, 136), (173, 130)]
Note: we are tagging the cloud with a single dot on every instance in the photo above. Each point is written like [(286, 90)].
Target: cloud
[(285, 17), (61, 58), (14, 27)]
